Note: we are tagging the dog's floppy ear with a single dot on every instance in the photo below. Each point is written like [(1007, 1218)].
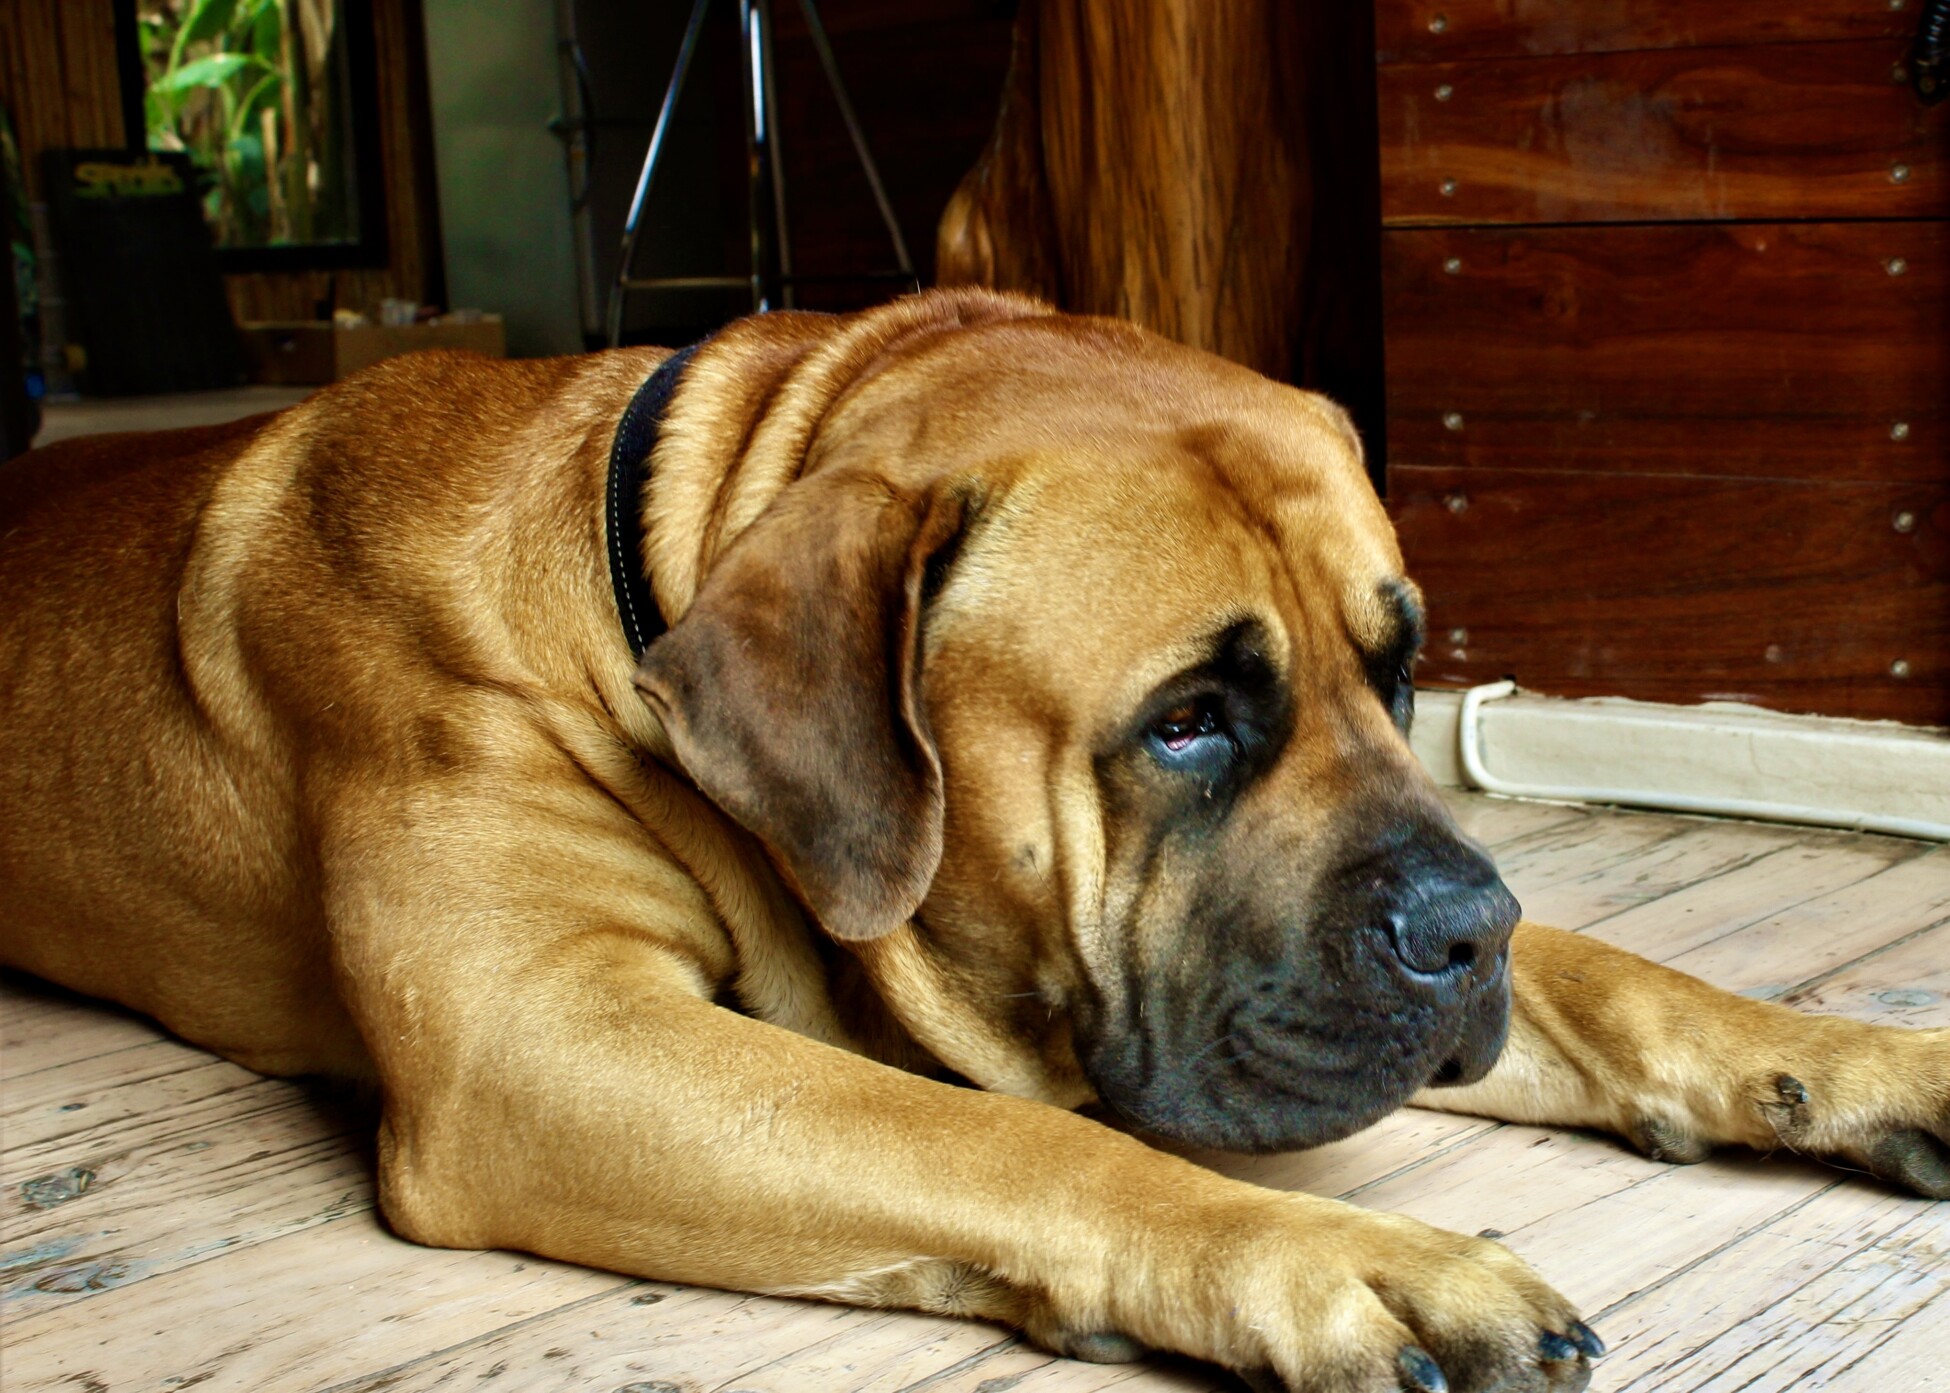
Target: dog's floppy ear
[(791, 690)]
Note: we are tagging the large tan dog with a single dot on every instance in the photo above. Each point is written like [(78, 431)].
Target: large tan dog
[(1031, 716)]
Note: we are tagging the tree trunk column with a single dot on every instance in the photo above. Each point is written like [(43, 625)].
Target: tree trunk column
[(1149, 161)]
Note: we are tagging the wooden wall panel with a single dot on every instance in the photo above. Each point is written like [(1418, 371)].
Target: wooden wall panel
[(1805, 596), (58, 77), (1442, 31), (1814, 130), (1684, 348)]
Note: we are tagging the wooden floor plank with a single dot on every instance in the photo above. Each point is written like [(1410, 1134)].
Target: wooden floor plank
[(703, 1340), (1069, 1376), (1772, 956), (1908, 984), (83, 1103), (42, 1029), (1912, 1353), (1496, 822), (1702, 1321), (1403, 1139), (296, 1312), (1813, 1335), (1756, 890), (166, 1196), (1571, 877), (719, 1340)]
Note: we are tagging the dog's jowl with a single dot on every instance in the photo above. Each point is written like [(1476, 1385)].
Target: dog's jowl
[(1019, 724)]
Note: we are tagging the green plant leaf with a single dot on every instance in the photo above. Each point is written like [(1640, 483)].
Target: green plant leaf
[(262, 94), (267, 32), (206, 20), (246, 155), (213, 71)]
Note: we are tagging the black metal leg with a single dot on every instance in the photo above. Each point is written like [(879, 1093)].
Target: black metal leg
[(775, 147), (685, 52), (752, 16), (773, 277), (823, 46)]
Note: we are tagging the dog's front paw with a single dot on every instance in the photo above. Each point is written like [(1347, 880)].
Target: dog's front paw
[(1863, 1097), (1330, 1299), (1395, 1303), (1873, 1098)]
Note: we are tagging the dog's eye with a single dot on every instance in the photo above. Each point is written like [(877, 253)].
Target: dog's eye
[(1190, 726)]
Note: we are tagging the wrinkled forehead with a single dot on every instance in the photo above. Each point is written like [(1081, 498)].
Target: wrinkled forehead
[(1299, 473), (1164, 541)]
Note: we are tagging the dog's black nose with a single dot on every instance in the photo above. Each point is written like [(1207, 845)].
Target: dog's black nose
[(1444, 925)]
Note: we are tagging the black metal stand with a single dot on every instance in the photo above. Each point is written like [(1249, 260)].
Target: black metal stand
[(771, 242)]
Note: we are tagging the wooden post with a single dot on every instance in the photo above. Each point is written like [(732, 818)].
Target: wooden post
[(1149, 161)]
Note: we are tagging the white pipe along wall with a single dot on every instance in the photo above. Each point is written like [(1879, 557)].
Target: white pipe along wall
[(1718, 759)]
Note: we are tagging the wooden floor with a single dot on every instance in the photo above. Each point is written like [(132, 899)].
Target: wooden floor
[(169, 1220), (63, 420)]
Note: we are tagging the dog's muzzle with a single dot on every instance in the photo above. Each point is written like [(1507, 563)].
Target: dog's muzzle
[(1287, 1034)]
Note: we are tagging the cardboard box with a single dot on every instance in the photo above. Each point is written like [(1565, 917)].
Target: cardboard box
[(305, 352)]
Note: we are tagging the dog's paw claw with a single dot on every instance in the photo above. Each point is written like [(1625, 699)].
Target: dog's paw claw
[(1420, 1373), (1555, 1347), (1587, 1341), (1791, 1090)]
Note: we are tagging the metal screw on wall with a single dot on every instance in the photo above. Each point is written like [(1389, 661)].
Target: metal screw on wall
[(1457, 502), (1904, 521), (1444, 92), (1895, 265), (1447, 188), (1459, 637), (1438, 24), (1899, 174), (1900, 668), (1452, 420), (1899, 430), (1453, 266)]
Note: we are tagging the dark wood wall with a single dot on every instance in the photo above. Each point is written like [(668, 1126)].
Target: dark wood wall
[(1667, 301), (62, 86), (926, 77), (58, 77)]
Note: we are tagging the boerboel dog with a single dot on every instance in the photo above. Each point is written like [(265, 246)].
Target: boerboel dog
[(1029, 716)]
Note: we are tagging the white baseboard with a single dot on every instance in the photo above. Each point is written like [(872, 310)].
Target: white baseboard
[(1719, 749)]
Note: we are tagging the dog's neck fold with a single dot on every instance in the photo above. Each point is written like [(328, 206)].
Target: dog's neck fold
[(744, 422)]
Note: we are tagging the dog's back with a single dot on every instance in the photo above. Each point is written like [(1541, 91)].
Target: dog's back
[(125, 834), (175, 603)]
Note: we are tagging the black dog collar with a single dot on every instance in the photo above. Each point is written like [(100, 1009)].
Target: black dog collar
[(629, 468)]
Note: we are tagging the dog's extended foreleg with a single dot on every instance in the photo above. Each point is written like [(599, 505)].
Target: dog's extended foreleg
[(1600, 1037), (567, 1090)]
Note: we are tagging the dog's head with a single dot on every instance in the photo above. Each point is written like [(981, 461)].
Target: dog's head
[(1069, 686)]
